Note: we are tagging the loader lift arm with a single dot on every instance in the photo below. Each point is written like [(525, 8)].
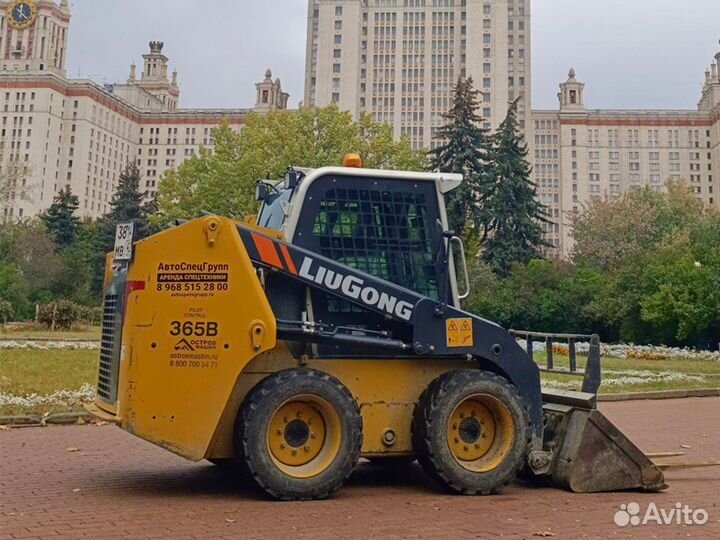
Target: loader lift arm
[(484, 341)]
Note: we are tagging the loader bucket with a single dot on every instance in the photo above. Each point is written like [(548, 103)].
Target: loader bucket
[(590, 454)]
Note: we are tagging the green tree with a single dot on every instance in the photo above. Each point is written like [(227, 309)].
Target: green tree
[(549, 296), (682, 293), (128, 204), (211, 180), (30, 249), (511, 212), (380, 150), (12, 288), (7, 312), (223, 180), (60, 218), (464, 149), (659, 257), (610, 233)]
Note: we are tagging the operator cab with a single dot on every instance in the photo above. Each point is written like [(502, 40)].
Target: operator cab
[(388, 224)]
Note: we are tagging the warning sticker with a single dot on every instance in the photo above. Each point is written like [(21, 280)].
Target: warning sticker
[(459, 332)]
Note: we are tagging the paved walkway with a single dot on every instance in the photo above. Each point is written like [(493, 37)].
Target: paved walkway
[(117, 486)]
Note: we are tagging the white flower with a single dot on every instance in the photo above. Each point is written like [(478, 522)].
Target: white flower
[(85, 394)]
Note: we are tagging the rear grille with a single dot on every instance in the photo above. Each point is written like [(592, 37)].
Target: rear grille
[(107, 383)]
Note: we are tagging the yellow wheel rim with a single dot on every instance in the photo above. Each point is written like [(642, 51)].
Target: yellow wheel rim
[(481, 433), (303, 436)]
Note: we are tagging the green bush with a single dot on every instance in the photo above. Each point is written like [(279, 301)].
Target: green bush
[(6, 311), (61, 314), (89, 315)]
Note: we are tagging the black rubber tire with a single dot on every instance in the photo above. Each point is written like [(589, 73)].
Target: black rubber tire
[(252, 425), (430, 439)]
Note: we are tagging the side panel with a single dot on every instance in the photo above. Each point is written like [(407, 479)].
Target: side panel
[(200, 318), (387, 392)]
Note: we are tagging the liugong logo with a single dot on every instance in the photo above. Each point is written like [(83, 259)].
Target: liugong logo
[(680, 514)]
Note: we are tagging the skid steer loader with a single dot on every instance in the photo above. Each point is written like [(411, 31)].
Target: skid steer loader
[(327, 329)]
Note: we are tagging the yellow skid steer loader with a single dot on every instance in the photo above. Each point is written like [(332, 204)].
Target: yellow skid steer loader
[(328, 329)]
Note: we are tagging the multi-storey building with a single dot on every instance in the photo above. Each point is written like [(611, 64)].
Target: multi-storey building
[(583, 154), (398, 60), (58, 132)]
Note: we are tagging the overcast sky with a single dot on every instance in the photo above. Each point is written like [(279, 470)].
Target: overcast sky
[(630, 53)]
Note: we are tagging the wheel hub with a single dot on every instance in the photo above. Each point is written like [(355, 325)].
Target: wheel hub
[(296, 433), (471, 430)]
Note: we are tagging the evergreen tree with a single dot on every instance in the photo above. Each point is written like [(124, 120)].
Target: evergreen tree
[(512, 214), (464, 150), (127, 204), (60, 219)]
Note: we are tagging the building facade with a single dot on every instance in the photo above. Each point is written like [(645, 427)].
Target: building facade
[(398, 60), (58, 132), (583, 154)]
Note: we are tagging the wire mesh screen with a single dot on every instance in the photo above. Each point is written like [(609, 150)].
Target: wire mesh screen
[(385, 233)]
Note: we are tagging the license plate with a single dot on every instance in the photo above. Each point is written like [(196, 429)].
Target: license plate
[(124, 241)]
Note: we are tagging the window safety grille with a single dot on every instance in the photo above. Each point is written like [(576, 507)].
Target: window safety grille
[(386, 234)]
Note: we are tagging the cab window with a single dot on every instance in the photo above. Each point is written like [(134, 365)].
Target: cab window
[(272, 215)]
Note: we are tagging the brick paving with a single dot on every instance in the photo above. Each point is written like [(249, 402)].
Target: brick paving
[(117, 486)]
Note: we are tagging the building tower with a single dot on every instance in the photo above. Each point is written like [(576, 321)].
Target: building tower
[(154, 77), (571, 94), (399, 61), (34, 36), (270, 95), (711, 89)]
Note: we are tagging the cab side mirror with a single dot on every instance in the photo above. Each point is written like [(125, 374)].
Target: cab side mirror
[(291, 179), (261, 191)]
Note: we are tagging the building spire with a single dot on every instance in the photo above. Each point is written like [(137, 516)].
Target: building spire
[(571, 94), (270, 95)]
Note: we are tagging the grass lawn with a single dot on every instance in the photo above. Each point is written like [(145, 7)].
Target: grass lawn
[(42, 372), (619, 375), (91, 333)]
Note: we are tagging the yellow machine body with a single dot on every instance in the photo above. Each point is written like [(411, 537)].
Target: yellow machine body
[(191, 350)]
